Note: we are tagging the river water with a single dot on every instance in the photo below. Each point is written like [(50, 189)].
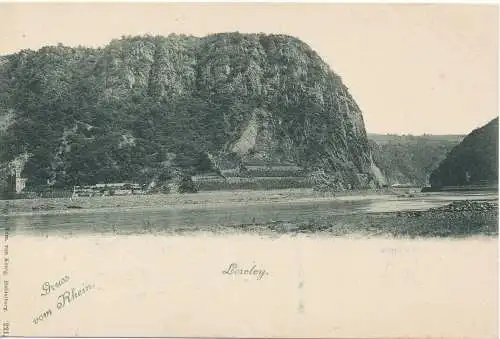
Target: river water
[(159, 218), (150, 286)]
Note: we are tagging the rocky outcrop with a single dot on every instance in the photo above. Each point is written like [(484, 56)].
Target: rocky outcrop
[(467, 206), (232, 97)]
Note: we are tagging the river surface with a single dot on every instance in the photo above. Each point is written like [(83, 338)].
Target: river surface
[(160, 218), (438, 288)]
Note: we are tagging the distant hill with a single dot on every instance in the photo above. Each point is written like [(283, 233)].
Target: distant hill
[(473, 161), (143, 108), (409, 159)]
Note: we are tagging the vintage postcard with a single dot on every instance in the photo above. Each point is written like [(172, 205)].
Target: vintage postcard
[(274, 170)]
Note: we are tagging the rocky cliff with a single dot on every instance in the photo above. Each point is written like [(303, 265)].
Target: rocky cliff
[(474, 161), (145, 107)]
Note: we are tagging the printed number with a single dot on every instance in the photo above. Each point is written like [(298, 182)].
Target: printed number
[(5, 329)]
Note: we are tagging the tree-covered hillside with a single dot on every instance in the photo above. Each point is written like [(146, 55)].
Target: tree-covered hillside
[(408, 159), (143, 108), (473, 161)]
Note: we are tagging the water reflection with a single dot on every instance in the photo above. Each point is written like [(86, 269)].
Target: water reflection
[(133, 221)]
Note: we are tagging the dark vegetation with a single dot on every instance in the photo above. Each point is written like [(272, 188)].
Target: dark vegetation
[(187, 185), (408, 159), (145, 108), (257, 184), (474, 161)]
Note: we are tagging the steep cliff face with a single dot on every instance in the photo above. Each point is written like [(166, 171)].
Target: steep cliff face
[(473, 161), (143, 106)]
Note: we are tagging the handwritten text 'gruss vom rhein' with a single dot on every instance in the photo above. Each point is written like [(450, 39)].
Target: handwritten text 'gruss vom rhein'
[(63, 299)]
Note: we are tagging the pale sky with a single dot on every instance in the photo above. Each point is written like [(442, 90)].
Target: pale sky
[(413, 69)]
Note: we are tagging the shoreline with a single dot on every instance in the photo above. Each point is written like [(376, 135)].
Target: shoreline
[(206, 199), (426, 224), (457, 220), (61, 208), (454, 216)]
